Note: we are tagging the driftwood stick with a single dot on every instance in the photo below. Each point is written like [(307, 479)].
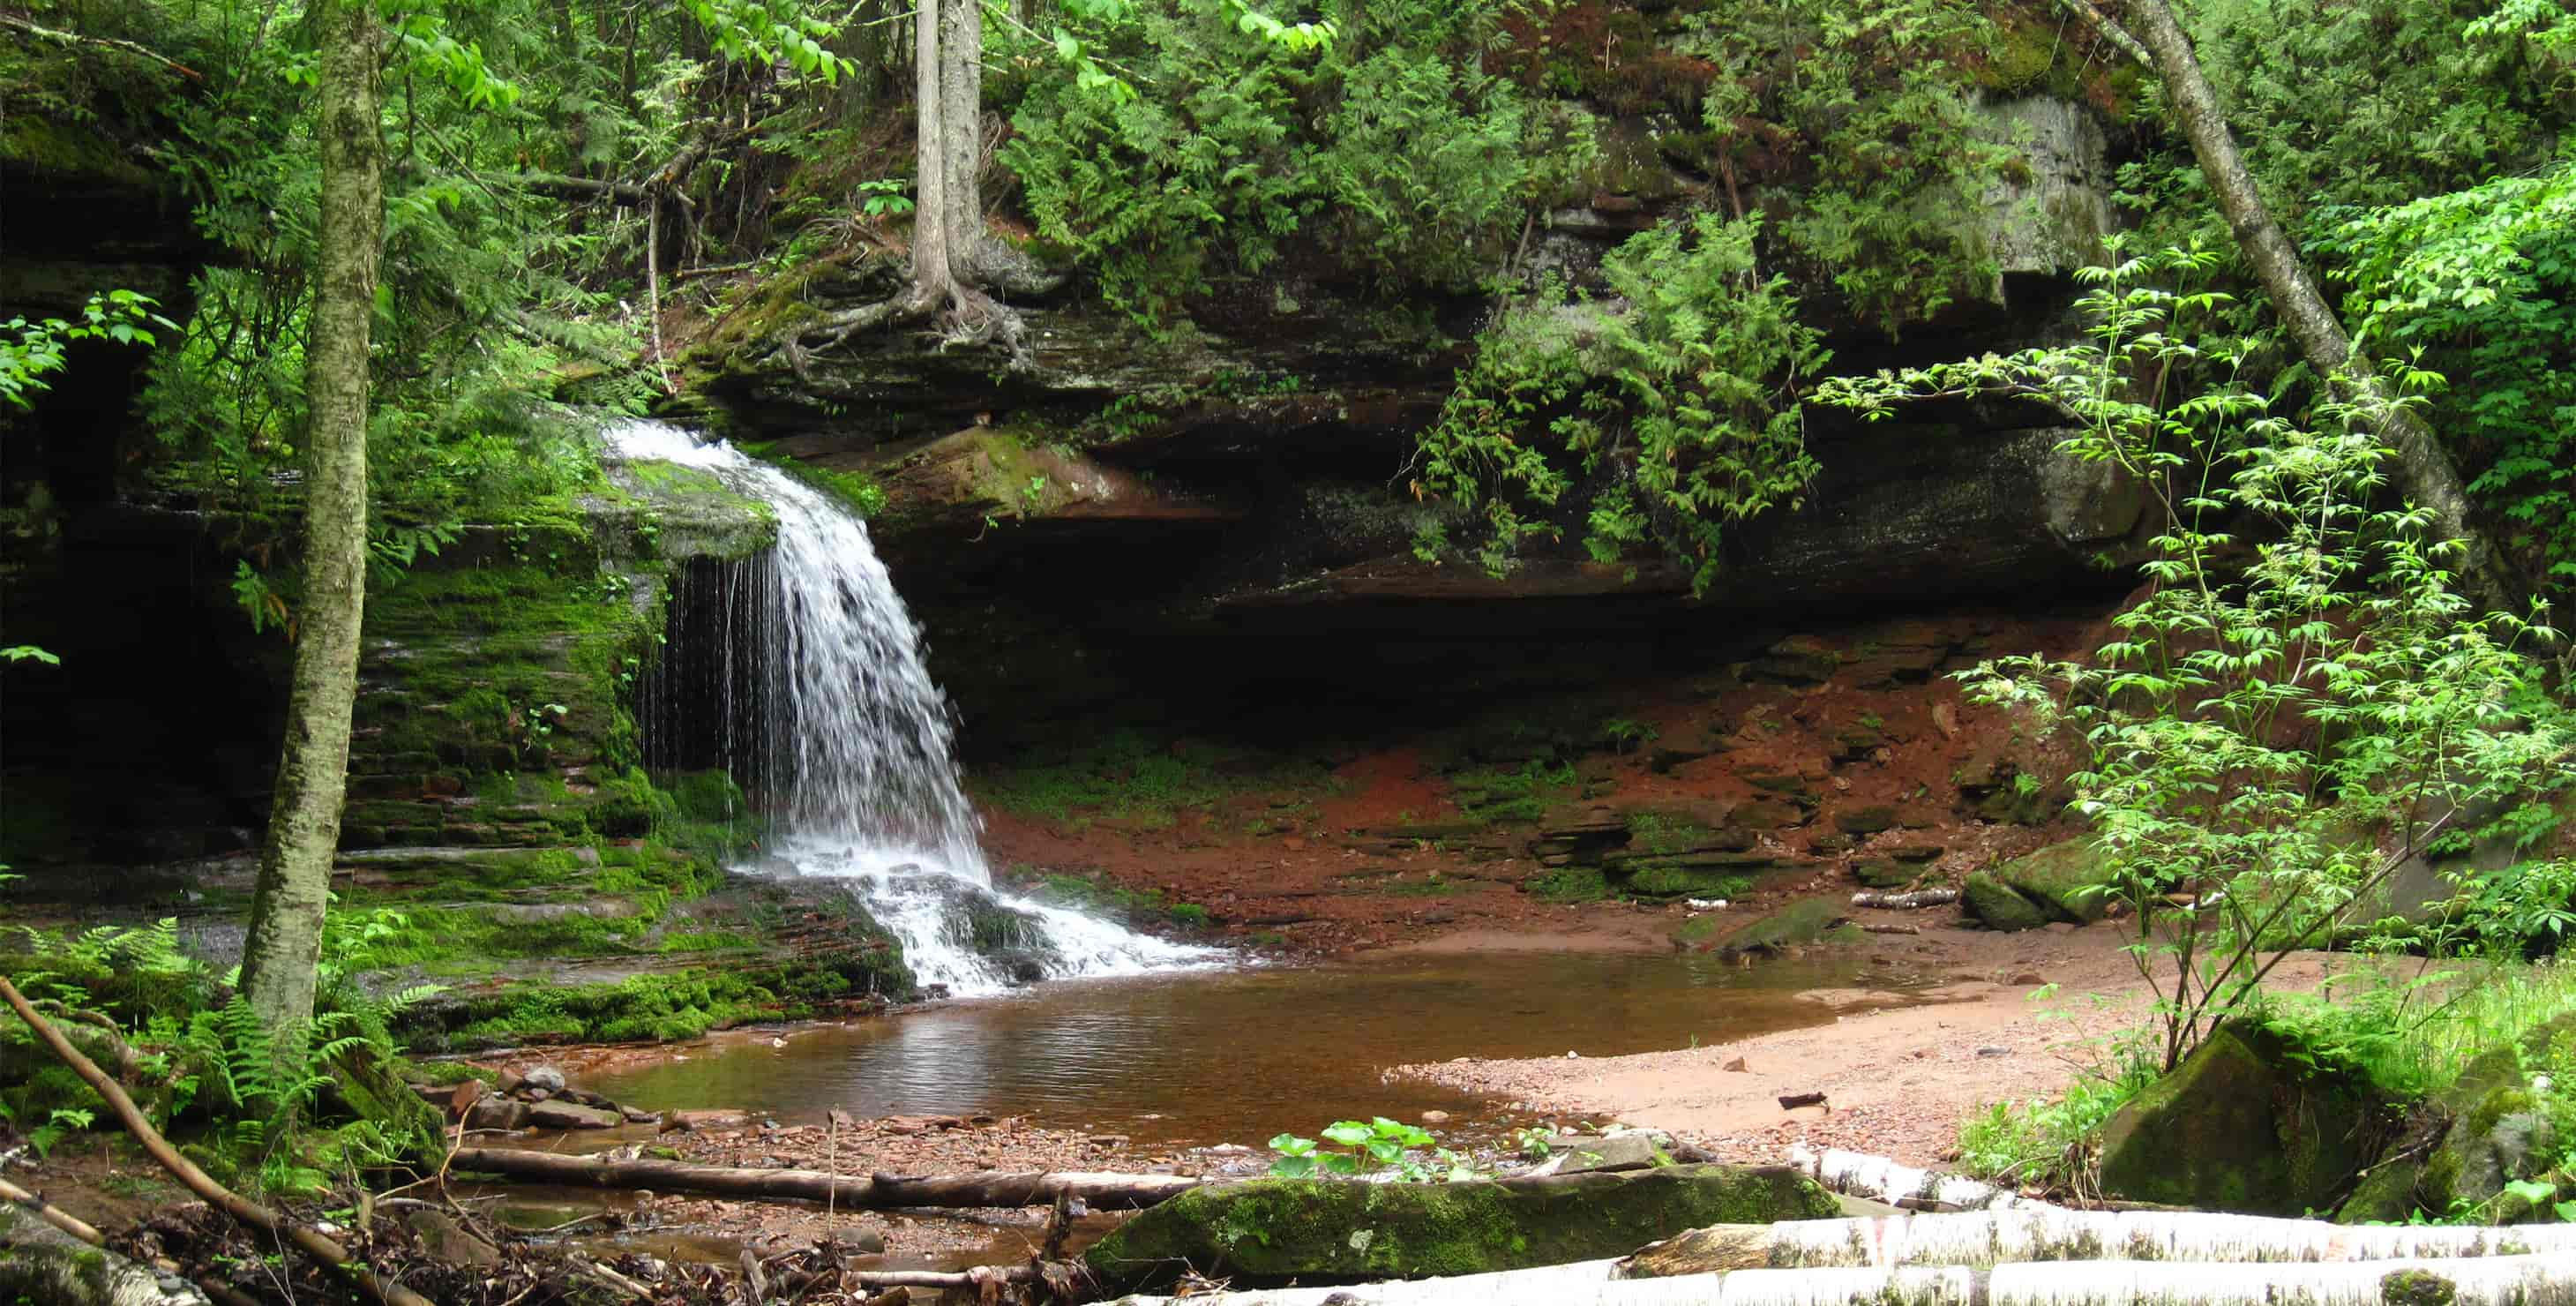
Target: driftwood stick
[(992, 1188), (1858, 1174), (1874, 927), (197, 1181), (52, 1214), (941, 1281)]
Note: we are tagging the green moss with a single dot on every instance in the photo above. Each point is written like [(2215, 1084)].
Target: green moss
[(1570, 884), (1269, 1231), (1522, 794), (1805, 921), (1666, 880)]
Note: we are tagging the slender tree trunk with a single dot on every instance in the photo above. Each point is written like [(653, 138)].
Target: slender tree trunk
[(961, 121), (285, 941), (2424, 469), (933, 280)]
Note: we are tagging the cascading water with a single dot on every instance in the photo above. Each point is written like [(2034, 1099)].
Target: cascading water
[(813, 676)]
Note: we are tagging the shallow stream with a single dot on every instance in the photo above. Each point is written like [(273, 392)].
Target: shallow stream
[(1205, 1058)]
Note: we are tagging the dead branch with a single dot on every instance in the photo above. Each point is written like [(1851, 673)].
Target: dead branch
[(987, 1188), (1905, 901)]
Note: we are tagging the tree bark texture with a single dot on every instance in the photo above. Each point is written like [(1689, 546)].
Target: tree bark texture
[(989, 1188), (1858, 1174), (2542, 1280), (961, 124), (933, 281), (2041, 1234), (2424, 469), (285, 940)]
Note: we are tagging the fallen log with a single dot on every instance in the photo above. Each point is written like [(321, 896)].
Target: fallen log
[(1905, 901), (242, 1209), (1857, 1174), (1873, 927), (1100, 1192), (2543, 1280), (2048, 1234)]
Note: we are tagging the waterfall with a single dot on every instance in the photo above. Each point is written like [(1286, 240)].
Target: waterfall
[(811, 671)]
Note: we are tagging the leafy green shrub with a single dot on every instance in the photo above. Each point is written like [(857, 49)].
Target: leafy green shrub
[(1378, 1144), (1683, 398), (2298, 668)]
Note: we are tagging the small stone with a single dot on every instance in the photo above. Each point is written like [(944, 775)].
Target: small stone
[(2029, 977), (1435, 1117), (537, 1094), (859, 1242), (571, 1115), (1738, 1066)]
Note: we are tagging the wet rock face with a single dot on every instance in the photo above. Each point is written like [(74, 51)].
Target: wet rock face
[(1275, 1230)]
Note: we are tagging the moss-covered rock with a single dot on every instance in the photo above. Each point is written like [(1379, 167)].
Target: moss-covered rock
[(39, 1263), (2492, 1130), (1809, 920), (1274, 1230), (2241, 1126), (2067, 881), (1998, 906)]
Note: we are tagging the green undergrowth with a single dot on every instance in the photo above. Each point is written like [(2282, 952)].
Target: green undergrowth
[(1571, 884), (1141, 781), (857, 491), (1098, 895), (1524, 793), (663, 1007)]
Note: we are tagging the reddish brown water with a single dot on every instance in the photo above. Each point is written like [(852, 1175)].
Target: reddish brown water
[(1207, 1058)]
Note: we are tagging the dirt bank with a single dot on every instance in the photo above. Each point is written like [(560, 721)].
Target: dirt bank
[(2022, 1015)]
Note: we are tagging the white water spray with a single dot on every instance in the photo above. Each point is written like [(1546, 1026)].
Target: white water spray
[(856, 743)]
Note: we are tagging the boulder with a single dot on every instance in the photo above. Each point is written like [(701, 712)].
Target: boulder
[(1865, 820), (1885, 872), (1998, 906), (494, 1111), (559, 1114), (1601, 1153), (2492, 1132), (1809, 920), (2068, 881), (543, 1077), (2240, 1126), (1271, 1231)]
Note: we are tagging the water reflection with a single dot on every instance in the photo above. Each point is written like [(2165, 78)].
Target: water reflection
[(1237, 1057)]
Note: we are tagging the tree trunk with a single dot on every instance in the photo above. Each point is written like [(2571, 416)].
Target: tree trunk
[(2424, 469), (1858, 1174), (1104, 1192), (2002, 1237), (1918, 898), (961, 124), (933, 280), (2548, 1280), (285, 941)]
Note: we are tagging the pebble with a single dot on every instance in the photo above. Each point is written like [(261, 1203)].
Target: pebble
[(1435, 1117)]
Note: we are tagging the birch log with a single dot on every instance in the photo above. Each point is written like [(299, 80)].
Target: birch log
[(2541, 1280), (2049, 1234), (1101, 1192), (1858, 1174), (1918, 898)]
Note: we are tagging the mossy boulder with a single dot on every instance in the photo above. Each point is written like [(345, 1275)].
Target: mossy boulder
[(1270, 1231), (2067, 881), (2242, 1126), (1808, 920), (2493, 1130), (1997, 905)]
